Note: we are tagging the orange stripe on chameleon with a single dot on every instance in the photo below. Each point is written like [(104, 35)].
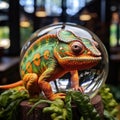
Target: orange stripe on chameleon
[(29, 67), (46, 54), (36, 59)]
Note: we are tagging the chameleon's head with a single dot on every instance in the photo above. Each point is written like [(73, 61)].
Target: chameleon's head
[(73, 52)]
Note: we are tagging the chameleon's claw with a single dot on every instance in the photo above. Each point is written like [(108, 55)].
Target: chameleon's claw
[(57, 95), (79, 89)]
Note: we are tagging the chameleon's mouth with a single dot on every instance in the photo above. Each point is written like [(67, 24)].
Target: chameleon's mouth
[(77, 62)]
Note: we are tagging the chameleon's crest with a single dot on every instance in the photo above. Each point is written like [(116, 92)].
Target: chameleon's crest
[(66, 36), (91, 46)]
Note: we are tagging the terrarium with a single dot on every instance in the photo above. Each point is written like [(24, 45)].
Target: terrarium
[(91, 80)]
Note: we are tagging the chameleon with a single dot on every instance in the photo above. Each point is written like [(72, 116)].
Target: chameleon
[(50, 57)]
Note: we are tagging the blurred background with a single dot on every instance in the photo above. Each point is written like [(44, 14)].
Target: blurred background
[(20, 18)]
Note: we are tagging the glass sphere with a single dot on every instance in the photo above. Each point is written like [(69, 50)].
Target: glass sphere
[(91, 79)]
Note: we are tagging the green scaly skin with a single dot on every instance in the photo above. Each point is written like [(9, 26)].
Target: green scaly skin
[(53, 55)]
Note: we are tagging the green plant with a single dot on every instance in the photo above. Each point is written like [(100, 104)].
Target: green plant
[(9, 102), (110, 104)]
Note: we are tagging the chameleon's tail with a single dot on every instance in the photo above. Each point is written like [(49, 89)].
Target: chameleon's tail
[(19, 83)]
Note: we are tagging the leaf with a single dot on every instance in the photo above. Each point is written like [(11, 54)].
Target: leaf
[(108, 116), (84, 106), (9, 113), (68, 106), (9, 102), (4, 98), (37, 103)]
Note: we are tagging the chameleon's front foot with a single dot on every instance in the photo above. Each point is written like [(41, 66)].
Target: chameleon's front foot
[(79, 89), (46, 87), (57, 95), (30, 81)]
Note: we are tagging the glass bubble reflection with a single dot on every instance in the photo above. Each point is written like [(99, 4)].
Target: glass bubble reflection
[(90, 79)]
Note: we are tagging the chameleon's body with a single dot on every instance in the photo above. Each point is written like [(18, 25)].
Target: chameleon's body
[(53, 55)]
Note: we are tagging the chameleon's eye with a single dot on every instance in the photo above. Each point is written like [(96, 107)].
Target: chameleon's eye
[(77, 47)]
